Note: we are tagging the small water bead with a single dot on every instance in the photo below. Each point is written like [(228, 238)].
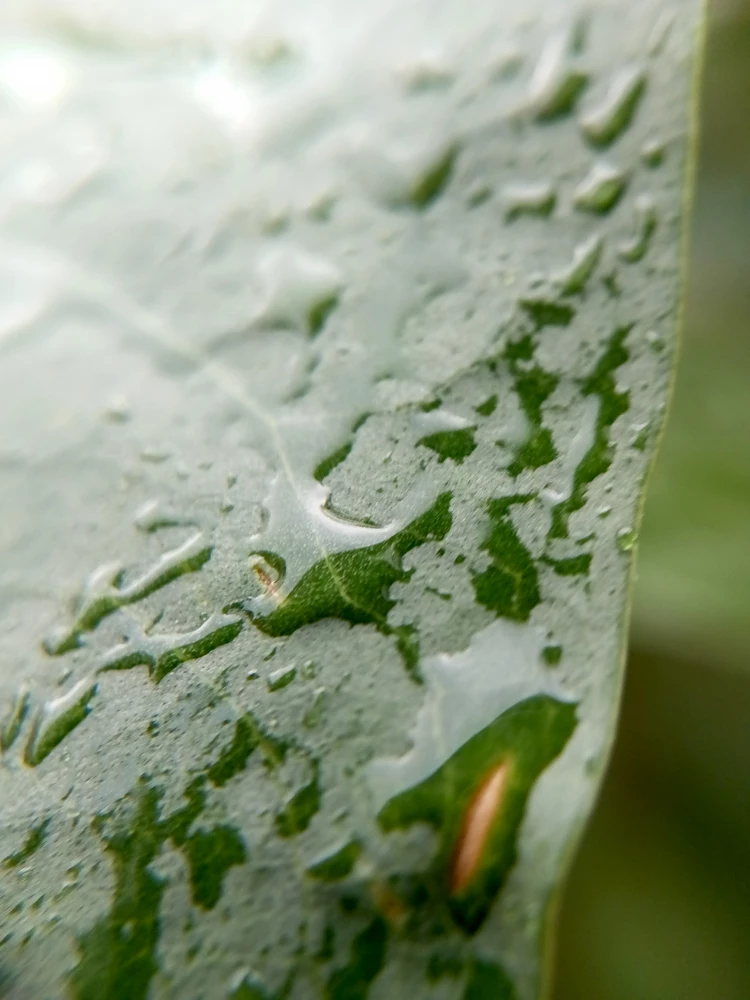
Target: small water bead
[(601, 189), (300, 289), (626, 539), (15, 717), (646, 218), (653, 152), (660, 32), (282, 677), (57, 719), (314, 711), (586, 256), (152, 516), (608, 120), (534, 198), (117, 409), (557, 80)]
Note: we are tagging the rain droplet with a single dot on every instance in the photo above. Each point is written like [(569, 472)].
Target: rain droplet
[(14, 718), (314, 711), (556, 82), (601, 189), (585, 258), (536, 199), (652, 153), (609, 119), (282, 677), (57, 719), (634, 249), (626, 539)]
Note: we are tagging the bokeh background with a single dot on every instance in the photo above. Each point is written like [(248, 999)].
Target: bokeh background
[(657, 906)]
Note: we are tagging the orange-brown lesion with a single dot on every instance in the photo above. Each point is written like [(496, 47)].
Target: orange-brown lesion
[(477, 826), (267, 578)]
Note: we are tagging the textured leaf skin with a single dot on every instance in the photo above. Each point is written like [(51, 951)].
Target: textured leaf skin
[(335, 341)]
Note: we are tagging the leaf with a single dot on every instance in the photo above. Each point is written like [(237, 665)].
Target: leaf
[(326, 399)]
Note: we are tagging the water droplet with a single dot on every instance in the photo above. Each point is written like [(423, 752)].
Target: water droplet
[(552, 655), (536, 199), (281, 677), (634, 249), (252, 674), (102, 593), (641, 436), (314, 711), (245, 985), (660, 32), (608, 120), (163, 653), (556, 82), (604, 512), (57, 719), (626, 539), (300, 290), (14, 718), (655, 341), (585, 258), (117, 410), (428, 73), (226, 506), (601, 189), (152, 515), (309, 670), (653, 152), (155, 455)]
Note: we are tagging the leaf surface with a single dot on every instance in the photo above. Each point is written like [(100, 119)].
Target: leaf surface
[(335, 343)]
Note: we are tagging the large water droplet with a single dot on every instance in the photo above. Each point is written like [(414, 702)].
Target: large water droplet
[(556, 82), (57, 719), (601, 189), (608, 120), (529, 199)]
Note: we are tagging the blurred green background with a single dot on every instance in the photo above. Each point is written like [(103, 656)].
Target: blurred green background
[(658, 902)]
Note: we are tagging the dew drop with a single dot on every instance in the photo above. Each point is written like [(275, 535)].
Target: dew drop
[(535, 199), (601, 189), (556, 82), (282, 677), (14, 718), (608, 120), (314, 711), (300, 290), (626, 539), (646, 217), (117, 409), (57, 719), (585, 258), (652, 153)]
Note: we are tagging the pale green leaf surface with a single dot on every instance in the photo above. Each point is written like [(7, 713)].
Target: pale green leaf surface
[(335, 343)]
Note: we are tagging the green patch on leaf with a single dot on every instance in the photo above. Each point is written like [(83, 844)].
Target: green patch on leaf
[(210, 854), (32, 842), (524, 740), (612, 404), (510, 584), (534, 386), (336, 865), (367, 955), (456, 445), (354, 586), (489, 981), (574, 566)]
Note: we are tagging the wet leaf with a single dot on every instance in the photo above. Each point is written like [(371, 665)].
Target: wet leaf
[(335, 343)]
